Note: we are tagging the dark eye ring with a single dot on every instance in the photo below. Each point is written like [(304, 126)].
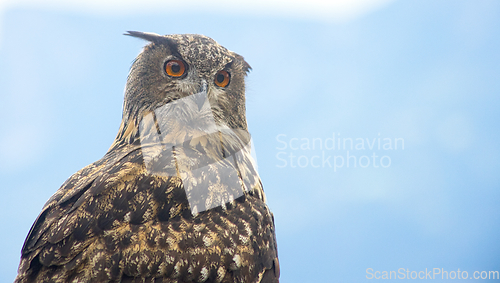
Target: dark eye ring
[(222, 78), (175, 68)]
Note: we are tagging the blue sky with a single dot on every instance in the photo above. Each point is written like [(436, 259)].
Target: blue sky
[(425, 72)]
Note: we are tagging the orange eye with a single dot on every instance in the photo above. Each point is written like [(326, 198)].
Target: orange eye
[(175, 68), (222, 78)]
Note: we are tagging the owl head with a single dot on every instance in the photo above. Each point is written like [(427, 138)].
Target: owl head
[(173, 67)]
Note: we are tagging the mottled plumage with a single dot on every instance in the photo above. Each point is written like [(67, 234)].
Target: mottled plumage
[(177, 197)]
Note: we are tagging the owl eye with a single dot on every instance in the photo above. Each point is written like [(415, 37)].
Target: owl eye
[(175, 68), (222, 78)]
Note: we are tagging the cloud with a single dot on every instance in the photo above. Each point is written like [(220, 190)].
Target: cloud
[(333, 10), (318, 10)]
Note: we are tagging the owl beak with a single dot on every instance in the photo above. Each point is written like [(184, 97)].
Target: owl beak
[(202, 89), (203, 86)]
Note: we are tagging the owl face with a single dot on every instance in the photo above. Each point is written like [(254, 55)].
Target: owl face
[(173, 67)]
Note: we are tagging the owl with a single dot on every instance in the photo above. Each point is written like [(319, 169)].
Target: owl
[(177, 197)]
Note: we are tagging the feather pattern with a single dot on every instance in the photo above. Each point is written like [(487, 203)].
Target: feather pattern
[(176, 198)]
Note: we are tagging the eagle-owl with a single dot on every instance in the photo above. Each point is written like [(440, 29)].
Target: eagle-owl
[(177, 197)]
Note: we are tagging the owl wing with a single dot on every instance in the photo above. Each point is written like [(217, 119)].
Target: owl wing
[(114, 222)]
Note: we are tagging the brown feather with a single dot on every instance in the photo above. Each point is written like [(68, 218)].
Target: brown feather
[(138, 214)]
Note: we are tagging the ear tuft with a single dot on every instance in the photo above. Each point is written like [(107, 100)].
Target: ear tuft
[(149, 36), (246, 66)]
